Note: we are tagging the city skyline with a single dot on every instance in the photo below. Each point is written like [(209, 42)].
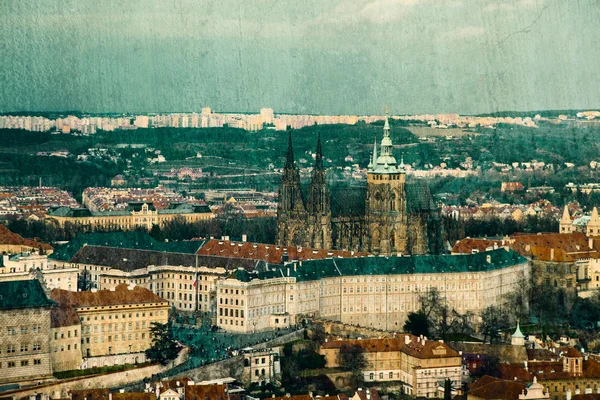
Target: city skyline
[(414, 55)]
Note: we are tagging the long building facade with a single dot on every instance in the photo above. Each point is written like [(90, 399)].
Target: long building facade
[(377, 292), (137, 215), (388, 216)]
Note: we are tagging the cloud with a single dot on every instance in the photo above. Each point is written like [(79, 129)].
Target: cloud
[(466, 32), (382, 11), (513, 5)]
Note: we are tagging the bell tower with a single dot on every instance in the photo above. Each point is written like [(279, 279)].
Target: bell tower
[(386, 216)]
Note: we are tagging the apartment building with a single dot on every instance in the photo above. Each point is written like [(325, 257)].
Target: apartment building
[(24, 332), (376, 292)]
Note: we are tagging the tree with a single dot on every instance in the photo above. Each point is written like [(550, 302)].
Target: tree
[(84, 281), (353, 358), (317, 334), (447, 389), (417, 323), (164, 348), (585, 314), (493, 320)]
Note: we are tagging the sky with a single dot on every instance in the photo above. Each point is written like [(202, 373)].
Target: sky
[(309, 56)]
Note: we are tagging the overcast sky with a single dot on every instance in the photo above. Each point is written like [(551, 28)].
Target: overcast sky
[(308, 56)]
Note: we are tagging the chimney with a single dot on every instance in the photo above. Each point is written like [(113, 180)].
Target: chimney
[(568, 394), (109, 396), (244, 237), (552, 254), (406, 339), (121, 390), (285, 257), (526, 367)]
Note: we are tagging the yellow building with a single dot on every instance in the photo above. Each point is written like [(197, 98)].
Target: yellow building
[(24, 332), (115, 324), (418, 363), (136, 215), (377, 292), (65, 339)]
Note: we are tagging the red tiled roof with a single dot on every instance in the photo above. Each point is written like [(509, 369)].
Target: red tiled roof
[(63, 315), (133, 396), (466, 246), (494, 388), (90, 394), (8, 237), (415, 348), (269, 252), (121, 295), (204, 392)]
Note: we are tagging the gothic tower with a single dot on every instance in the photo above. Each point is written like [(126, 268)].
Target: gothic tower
[(319, 205), (593, 227), (291, 211), (386, 214), (566, 224)]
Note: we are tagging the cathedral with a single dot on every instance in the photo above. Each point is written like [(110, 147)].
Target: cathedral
[(388, 216)]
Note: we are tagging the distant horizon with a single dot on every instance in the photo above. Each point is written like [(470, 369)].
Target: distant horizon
[(275, 112)]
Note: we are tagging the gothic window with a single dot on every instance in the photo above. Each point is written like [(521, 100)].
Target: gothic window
[(377, 196), (393, 202)]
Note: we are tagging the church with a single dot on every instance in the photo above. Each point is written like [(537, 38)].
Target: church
[(388, 216)]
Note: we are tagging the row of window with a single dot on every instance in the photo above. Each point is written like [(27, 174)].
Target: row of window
[(22, 363), (231, 301), (227, 312), (11, 348), (24, 330), (116, 316), (116, 338)]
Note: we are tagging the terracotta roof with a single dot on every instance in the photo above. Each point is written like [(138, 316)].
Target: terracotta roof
[(90, 394), (133, 396), (559, 247), (270, 253), (415, 348), (362, 394), (466, 246), (493, 388), (171, 384), (63, 315), (297, 397), (541, 355), (340, 396), (8, 237), (569, 352), (590, 396), (205, 392), (121, 295)]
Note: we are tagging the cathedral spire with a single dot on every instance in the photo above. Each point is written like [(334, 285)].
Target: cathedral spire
[(386, 126), (289, 160), (319, 154)]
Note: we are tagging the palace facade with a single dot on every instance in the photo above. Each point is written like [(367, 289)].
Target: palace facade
[(377, 292), (136, 215)]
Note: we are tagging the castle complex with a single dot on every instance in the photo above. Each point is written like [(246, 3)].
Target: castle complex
[(388, 216)]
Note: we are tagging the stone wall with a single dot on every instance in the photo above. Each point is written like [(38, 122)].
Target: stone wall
[(347, 331), (60, 389)]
